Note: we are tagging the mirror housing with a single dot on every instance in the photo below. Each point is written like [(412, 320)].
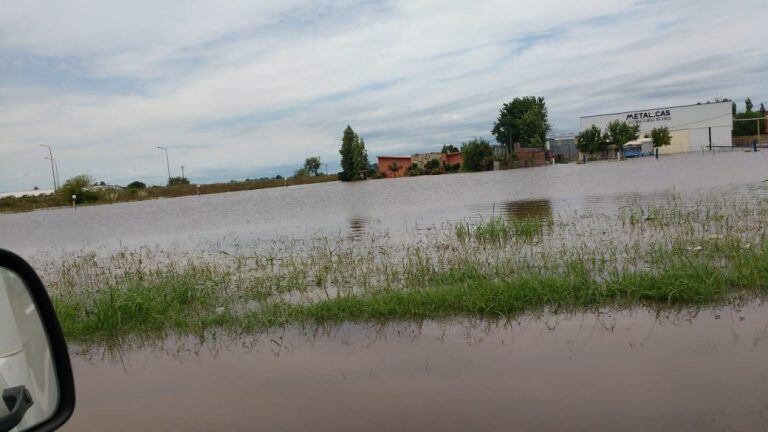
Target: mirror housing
[(31, 338)]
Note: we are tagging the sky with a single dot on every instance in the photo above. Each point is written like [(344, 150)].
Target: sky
[(237, 89)]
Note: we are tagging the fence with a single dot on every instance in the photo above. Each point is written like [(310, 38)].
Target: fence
[(747, 141)]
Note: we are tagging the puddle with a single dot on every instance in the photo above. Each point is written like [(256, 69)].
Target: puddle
[(628, 370)]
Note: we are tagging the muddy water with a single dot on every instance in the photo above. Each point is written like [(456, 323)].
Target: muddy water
[(394, 205), (614, 371)]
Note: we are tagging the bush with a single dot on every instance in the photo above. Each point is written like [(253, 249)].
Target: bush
[(178, 181), (451, 168), (78, 186), (136, 185), (432, 166), (414, 170), (477, 154)]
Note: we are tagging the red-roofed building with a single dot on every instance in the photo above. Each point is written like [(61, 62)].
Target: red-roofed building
[(396, 166)]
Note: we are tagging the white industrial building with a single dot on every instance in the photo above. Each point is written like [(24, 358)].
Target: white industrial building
[(692, 127)]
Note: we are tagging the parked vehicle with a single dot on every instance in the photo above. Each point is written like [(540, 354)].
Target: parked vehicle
[(38, 393)]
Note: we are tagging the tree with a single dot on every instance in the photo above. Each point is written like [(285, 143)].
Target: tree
[(312, 165), (477, 155), (762, 109), (733, 108), (354, 157), (301, 172), (394, 168), (79, 187), (449, 148), (661, 137), (591, 140), (620, 132), (523, 121), (748, 105), (136, 185)]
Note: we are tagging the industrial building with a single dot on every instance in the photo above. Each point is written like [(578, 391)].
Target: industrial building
[(692, 127)]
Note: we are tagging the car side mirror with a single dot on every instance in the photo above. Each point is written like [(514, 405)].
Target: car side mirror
[(36, 384)]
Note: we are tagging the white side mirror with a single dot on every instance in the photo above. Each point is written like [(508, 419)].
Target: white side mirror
[(36, 382)]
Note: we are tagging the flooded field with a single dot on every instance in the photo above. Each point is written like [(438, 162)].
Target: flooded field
[(628, 370), (395, 205), (378, 305)]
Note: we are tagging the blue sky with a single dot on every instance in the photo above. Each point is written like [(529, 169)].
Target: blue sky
[(244, 89)]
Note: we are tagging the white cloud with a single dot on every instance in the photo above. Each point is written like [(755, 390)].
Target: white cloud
[(246, 84)]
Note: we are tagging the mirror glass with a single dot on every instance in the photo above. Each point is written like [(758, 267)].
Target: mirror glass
[(26, 362)]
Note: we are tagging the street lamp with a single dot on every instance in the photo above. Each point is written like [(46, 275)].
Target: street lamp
[(167, 163), (56, 167), (53, 172)]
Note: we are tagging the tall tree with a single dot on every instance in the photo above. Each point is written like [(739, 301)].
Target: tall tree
[(590, 140), (312, 165), (733, 108), (748, 105), (354, 157), (762, 109), (660, 136), (524, 121), (620, 132)]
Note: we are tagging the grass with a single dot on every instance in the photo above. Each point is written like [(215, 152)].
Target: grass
[(29, 203), (687, 254), (187, 303)]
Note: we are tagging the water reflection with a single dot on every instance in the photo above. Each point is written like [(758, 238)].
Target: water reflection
[(528, 209), (358, 227), (614, 370), (471, 331)]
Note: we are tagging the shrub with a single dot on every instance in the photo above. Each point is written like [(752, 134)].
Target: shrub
[(451, 168), (414, 170), (178, 181), (136, 185), (78, 186), (477, 154), (432, 166)]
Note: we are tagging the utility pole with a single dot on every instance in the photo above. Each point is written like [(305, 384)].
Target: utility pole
[(53, 171), (167, 163)]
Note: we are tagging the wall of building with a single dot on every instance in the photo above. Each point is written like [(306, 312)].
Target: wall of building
[(385, 161), (454, 158), (689, 125)]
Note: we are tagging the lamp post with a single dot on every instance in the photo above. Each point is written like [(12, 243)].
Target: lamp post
[(53, 172), (56, 169), (167, 163)]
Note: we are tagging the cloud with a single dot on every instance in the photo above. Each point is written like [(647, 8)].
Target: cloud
[(255, 87)]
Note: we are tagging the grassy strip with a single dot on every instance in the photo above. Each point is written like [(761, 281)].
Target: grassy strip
[(187, 302), (29, 203)]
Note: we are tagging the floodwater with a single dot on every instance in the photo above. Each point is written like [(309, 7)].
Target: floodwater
[(628, 371), (392, 205), (622, 370)]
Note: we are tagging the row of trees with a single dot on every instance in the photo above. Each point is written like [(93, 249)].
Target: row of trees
[(618, 133), (742, 126)]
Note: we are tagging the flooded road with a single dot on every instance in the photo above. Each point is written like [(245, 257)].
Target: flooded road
[(392, 205), (616, 371)]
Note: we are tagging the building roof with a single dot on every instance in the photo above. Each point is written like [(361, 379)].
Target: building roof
[(393, 157)]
